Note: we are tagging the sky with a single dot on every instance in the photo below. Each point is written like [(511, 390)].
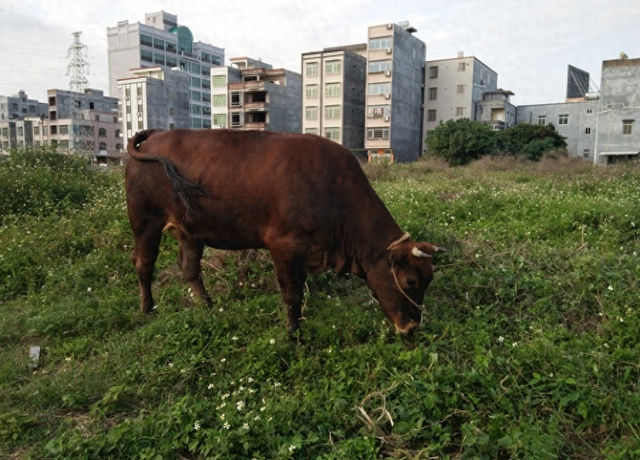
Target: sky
[(529, 43)]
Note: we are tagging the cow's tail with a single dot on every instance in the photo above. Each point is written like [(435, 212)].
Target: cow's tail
[(184, 193)]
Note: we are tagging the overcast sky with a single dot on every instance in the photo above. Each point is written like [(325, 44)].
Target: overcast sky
[(529, 43)]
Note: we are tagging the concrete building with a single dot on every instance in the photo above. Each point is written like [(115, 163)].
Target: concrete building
[(161, 41), (153, 97), (617, 131), (496, 110), (333, 82), (253, 95), (56, 128), (19, 106), (455, 86), (576, 121), (395, 93)]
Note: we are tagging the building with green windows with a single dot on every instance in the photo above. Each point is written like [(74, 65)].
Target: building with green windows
[(161, 41)]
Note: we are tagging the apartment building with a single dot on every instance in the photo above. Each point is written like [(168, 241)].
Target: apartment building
[(333, 82), (161, 41), (496, 110), (56, 128), (395, 93), (19, 106), (251, 95), (617, 130), (153, 97), (454, 87)]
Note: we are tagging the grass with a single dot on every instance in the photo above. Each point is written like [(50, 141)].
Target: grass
[(530, 350)]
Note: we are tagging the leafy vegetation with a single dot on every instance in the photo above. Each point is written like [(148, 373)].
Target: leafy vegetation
[(462, 141), (530, 349)]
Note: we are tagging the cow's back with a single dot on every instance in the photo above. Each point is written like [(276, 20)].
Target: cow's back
[(256, 181)]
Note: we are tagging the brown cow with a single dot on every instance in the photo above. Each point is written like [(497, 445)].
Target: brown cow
[(302, 197)]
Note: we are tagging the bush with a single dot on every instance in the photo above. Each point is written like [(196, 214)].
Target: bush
[(462, 141), (532, 140)]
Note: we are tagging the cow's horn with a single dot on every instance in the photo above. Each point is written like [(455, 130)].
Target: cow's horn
[(439, 249), (418, 253)]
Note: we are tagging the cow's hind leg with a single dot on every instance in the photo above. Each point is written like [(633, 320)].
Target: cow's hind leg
[(189, 257), (145, 253), (291, 277)]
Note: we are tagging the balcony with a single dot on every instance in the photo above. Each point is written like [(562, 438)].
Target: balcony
[(256, 106), (257, 126)]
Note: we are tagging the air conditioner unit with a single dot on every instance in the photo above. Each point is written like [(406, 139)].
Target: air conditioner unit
[(387, 50), (387, 96), (387, 73), (387, 118), (390, 26)]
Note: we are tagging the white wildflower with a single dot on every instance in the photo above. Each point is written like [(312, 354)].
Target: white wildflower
[(210, 386), (292, 448), (196, 426), (272, 341), (226, 425), (500, 339), (245, 426)]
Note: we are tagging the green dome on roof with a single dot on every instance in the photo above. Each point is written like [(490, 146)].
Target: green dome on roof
[(185, 38)]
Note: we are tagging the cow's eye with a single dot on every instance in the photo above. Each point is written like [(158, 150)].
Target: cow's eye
[(412, 283)]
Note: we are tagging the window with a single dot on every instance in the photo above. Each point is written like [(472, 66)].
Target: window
[(44, 130), (172, 111), (311, 113), (589, 111), (63, 129), (171, 61), (460, 89), (53, 116), (587, 130), (332, 112), (312, 91), (312, 69), (146, 40), (542, 120), (431, 115), (205, 57), (158, 58), (196, 123), (195, 95), (219, 100), (206, 71), (379, 88), (195, 81), (332, 89), (102, 132), (36, 130), (379, 66), (215, 59), (194, 68), (377, 111), (54, 129), (378, 133), (462, 66), (195, 109), (170, 47), (236, 118), (97, 118), (380, 43), (118, 133), (118, 146), (146, 55), (206, 110), (103, 146), (206, 124), (332, 67), (158, 44), (586, 153), (236, 100), (170, 94), (5, 132), (563, 119), (627, 127), (172, 126), (219, 81), (52, 101), (459, 111), (332, 133), (220, 120), (311, 131), (20, 131), (433, 94)]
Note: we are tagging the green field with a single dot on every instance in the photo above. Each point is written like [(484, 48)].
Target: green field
[(530, 348)]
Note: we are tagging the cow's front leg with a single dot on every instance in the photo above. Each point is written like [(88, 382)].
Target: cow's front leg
[(291, 277), (189, 256)]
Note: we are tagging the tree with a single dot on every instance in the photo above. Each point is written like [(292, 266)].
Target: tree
[(532, 140), (462, 141)]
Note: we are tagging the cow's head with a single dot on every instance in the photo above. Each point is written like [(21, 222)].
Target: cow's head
[(400, 281)]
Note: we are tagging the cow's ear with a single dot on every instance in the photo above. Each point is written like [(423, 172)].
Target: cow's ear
[(397, 258)]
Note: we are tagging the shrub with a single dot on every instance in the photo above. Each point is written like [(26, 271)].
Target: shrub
[(532, 140), (462, 141)]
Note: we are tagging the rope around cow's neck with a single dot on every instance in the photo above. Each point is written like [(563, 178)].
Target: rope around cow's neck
[(419, 307)]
